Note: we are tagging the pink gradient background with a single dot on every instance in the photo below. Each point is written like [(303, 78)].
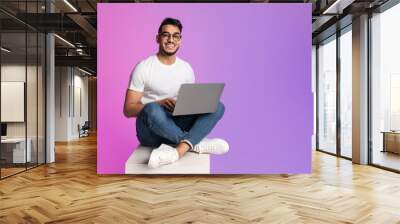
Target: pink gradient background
[(261, 51)]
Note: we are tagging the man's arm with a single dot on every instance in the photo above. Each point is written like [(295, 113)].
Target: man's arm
[(133, 105)]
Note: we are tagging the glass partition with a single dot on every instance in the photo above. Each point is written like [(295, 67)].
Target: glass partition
[(41, 91), (32, 95), (14, 153), (22, 77)]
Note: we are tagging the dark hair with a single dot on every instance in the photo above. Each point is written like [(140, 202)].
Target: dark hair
[(170, 21)]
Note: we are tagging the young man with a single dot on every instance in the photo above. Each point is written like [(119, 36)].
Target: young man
[(151, 97)]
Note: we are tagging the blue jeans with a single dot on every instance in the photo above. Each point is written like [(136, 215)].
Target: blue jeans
[(155, 126)]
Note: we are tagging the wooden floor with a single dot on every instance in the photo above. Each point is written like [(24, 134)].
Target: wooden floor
[(70, 191), (10, 171), (387, 159)]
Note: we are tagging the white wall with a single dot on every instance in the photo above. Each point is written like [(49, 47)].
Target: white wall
[(70, 83), (62, 80), (79, 112), (12, 73)]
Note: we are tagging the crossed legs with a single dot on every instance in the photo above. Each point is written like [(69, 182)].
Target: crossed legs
[(156, 126)]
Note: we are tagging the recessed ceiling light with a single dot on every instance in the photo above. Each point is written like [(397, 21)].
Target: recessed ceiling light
[(64, 40), (84, 71), (70, 5), (338, 6), (5, 50)]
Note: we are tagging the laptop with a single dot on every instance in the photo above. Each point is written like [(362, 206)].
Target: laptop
[(198, 98)]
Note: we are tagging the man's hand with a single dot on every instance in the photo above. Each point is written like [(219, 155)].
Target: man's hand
[(167, 103)]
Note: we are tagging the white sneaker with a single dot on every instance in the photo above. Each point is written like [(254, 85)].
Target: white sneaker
[(163, 155), (212, 146)]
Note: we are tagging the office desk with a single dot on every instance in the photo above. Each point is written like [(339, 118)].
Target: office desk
[(13, 150), (391, 141)]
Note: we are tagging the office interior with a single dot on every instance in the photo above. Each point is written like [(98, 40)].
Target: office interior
[(48, 81), (354, 66), (48, 76)]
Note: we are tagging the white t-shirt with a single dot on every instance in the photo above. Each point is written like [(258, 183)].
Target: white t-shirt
[(159, 81)]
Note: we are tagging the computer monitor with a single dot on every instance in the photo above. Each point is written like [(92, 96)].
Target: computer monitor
[(3, 129)]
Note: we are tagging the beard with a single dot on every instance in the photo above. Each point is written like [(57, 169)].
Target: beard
[(168, 53)]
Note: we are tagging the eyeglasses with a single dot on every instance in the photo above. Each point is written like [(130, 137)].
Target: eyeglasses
[(175, 36)]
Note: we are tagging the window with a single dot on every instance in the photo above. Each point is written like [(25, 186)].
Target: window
[(346, 92), (327, 95), (385, 88)]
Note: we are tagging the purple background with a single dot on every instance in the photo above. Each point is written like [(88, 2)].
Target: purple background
[(261, 51)]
